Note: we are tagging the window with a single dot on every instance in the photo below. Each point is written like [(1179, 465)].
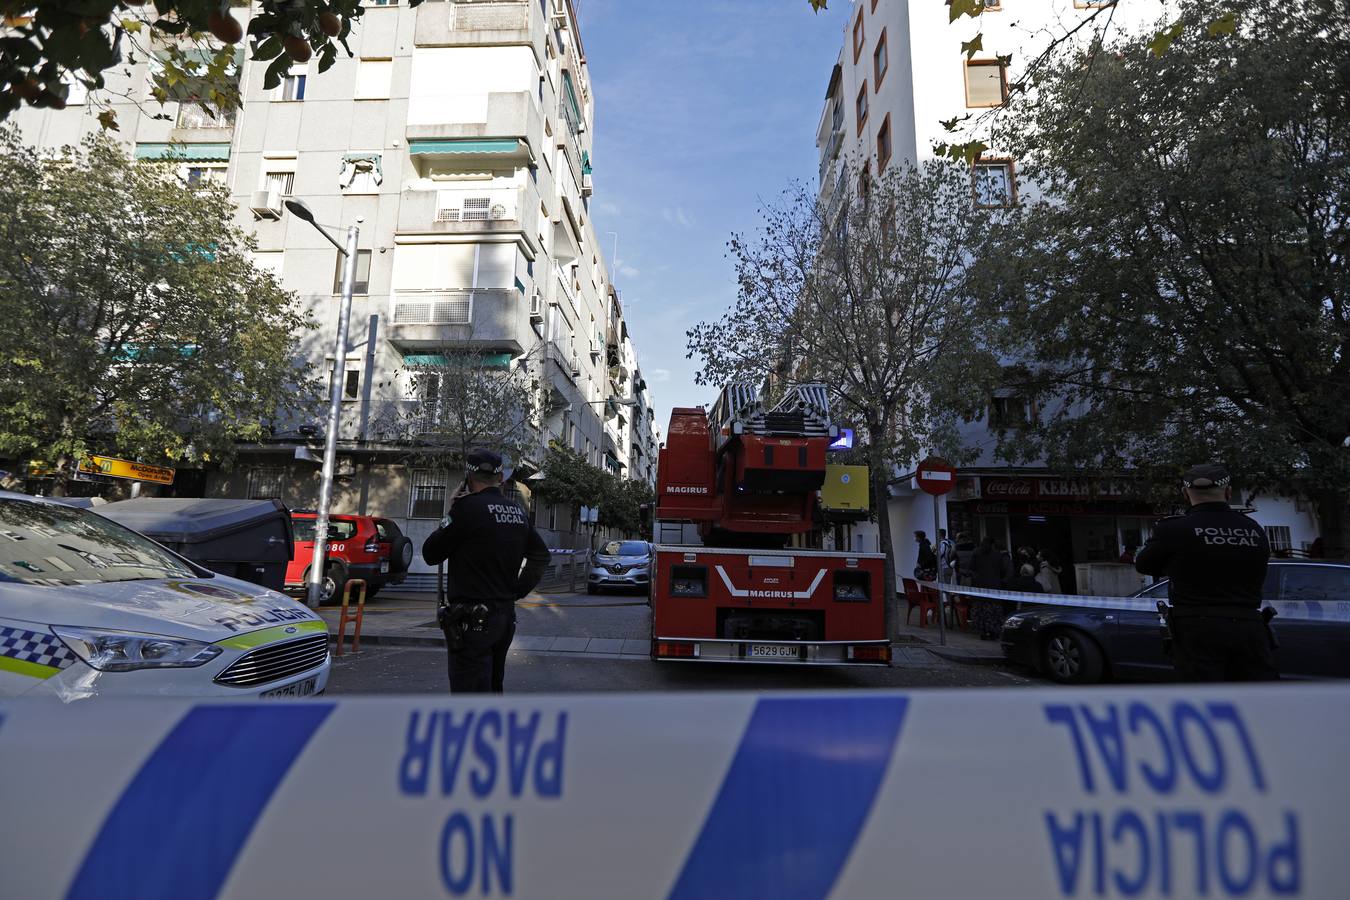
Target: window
[(995, 183), (996, 5), (986, 83), (427, 500), (1280, 540), (373, 79), (282, 183), (865, 179), (859, 38), (351, 383), (1009, 410), (879, 59), (860, 107), (361, 284), (195, 115), (76, 90), (884, 143), (265, 483), (200, 176), (1315, 584), (292, 85)]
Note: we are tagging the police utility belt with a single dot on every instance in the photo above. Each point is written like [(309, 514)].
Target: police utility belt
[(460, 616), (1169, 617)]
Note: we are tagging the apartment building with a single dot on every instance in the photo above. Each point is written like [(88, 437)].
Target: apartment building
[(459, 139), (901, 71)]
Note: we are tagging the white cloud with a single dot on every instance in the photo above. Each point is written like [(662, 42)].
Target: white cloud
[(677, 216), (660, 374), (606, 208), (628, 271)]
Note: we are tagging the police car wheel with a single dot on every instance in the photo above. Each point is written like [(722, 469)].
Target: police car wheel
[(1071, 657)]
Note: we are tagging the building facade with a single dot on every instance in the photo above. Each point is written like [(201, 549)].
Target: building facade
[(459, 139), (900, 73)]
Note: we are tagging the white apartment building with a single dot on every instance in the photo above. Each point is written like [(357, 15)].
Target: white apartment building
[(901, 71), (459, 138)]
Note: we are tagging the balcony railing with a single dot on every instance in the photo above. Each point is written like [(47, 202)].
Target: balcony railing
[(194, 115), (454, 307)]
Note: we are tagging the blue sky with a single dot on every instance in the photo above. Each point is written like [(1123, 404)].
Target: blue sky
[(703, 109)]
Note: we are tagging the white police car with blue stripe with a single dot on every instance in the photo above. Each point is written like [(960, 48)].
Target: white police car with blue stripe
[(89, 608)]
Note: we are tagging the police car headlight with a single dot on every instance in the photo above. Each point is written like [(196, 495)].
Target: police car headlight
[(124, 651)]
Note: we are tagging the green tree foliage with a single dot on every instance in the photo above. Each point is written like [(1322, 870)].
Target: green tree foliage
[(45, 45), (1186, 290), (135, 321), (571, 481), (872, 296)]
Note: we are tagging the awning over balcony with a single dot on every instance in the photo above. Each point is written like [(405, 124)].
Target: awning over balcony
[(467, 147), (612, 462), (499, 360), (189, 152)]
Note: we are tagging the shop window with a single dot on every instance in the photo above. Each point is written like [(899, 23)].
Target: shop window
[(427, 499), (264, 483)]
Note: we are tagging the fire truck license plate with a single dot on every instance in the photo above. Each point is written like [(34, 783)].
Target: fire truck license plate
[(773, 651)]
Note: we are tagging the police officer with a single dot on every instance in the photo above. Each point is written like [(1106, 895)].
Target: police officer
[(486, 538), (1215, 558)]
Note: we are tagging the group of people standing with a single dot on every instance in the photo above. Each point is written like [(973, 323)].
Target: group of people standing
[(987, 565)]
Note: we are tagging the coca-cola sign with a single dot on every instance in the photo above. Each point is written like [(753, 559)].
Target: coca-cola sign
[(1008, 488)]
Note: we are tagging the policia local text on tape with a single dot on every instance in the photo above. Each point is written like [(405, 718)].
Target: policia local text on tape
[(486, 538)]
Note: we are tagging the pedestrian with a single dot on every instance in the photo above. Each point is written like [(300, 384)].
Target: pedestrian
[(964, 559), (1128, 556), (990, 568), (926, 570), (486, 538), (946, 555), (1215, 560), (1049, 572), (1025, 581)]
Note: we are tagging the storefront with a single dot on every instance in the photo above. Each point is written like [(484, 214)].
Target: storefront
[(1079, 520)]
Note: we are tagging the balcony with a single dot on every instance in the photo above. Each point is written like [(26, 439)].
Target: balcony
[(490, 317), (465, 210), (565, 358), (478, 22), (194, 116), (469, 128)]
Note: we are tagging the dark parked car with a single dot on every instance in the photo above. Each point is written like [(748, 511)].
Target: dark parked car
[(1078, 645)]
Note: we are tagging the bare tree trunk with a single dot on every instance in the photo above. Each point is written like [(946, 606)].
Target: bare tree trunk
[(1331, 523), (881, 503)]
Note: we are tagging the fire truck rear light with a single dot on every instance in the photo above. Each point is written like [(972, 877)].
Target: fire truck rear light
[(870, 653), (676, 648)]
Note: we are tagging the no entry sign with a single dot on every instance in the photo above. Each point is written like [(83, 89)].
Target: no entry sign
[(936, 476)]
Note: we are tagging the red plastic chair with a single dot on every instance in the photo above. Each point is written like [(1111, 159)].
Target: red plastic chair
[(923, 598)]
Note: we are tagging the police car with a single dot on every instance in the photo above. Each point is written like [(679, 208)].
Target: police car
[(89, 608)]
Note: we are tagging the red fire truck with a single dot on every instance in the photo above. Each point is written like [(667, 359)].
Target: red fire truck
[(734, 486)]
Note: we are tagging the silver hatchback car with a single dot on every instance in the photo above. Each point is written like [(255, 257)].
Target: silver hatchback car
[(621, 564)]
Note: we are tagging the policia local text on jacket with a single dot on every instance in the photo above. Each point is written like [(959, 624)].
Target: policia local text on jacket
[(1215, 559), (486, 538)]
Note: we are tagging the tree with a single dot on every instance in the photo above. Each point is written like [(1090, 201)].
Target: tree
[(1186, 290), (570, 480), (869, 295), (135, 320), (47, 45), (461, 398)]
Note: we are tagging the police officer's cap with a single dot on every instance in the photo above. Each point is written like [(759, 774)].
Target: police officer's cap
[(1208, 475), (484, 462)]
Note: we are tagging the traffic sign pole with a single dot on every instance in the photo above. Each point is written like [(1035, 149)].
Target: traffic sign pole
[(936, 477)]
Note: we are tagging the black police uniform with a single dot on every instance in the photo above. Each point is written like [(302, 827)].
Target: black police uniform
[(485, 539), (1215, 558)]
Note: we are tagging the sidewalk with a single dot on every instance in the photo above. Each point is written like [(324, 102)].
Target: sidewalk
[(409, 620)]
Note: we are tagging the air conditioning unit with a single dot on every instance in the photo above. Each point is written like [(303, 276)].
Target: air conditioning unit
[(266, 204), (587, 187), (576, 365), (537, 306)]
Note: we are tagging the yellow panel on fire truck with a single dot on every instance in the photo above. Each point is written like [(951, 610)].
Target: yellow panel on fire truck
[(845, 488)]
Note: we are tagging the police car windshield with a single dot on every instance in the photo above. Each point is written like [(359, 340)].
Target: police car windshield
[(624, 548), (53, 545)]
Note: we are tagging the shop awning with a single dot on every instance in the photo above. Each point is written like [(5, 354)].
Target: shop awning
[(468, 146), (189, 152)]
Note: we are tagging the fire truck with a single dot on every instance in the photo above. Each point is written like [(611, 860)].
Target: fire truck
[(735, 488)]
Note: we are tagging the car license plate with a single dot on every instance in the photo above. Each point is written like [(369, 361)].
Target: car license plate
[(296, 689), (384, 567), (773, 651)]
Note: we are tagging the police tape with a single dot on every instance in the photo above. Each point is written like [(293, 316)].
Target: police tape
[(1310, 610), (1207, 791)]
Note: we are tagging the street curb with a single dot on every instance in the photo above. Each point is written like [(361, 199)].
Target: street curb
[(392, 640), (965, 656)]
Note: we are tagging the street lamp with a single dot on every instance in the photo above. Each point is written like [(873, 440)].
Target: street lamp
[(314, 592)]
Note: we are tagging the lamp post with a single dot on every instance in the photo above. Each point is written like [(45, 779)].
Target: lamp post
[(318, 567)]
